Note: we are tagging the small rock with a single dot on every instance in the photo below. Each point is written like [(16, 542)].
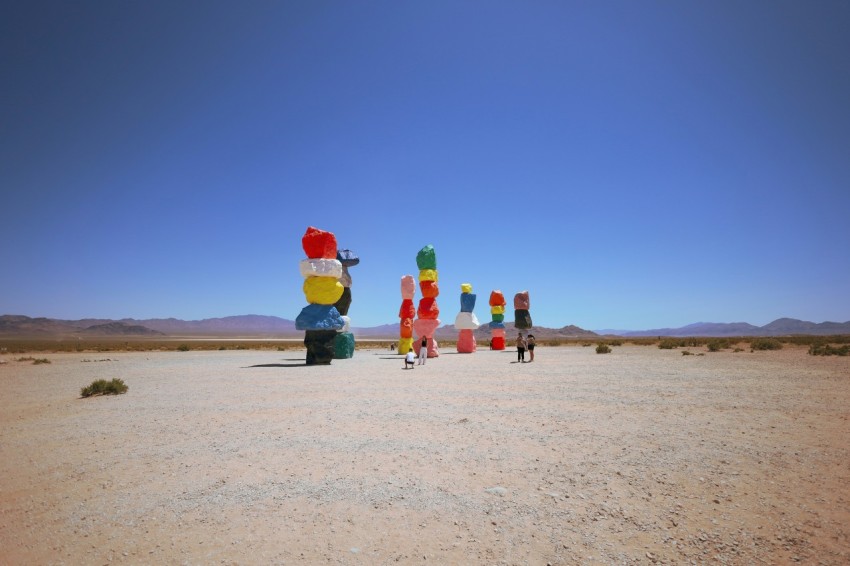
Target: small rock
[(497, 490)]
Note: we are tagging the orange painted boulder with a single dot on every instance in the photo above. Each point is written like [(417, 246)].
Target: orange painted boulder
[(406, 328), (430, 289), (497, 299), (498, 342)]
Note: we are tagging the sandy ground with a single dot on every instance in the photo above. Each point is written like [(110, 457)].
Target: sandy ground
[(638, 456)]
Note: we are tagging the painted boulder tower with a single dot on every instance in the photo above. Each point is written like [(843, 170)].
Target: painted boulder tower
[(466, 321), (406, 314), (344, 340), (320, 319), (522, 305), (428, 313), (497, 324)]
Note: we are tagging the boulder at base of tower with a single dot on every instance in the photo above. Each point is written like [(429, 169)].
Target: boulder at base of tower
[(466, 342), (343, 346)]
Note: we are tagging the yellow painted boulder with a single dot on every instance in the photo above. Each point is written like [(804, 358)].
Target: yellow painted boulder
[(322, 290), (428, 275)]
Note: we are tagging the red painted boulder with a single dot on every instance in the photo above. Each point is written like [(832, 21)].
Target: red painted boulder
[(319, 244), (497, 299), (407, 310), (428, 309)]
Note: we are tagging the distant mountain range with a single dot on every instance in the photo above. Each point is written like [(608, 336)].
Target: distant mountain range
[(245, 325), (779, 327), (272, 326)]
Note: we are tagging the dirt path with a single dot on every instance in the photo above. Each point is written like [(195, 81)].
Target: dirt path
[(638, 456)]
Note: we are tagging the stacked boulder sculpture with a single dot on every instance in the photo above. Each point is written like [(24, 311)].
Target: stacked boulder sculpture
[(466, 321), (427, 320), (407, 312), (344, 340), (320, 319), (497, 324), (522, 304)]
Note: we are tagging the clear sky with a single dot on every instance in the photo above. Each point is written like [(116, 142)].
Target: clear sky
[(632, 165)]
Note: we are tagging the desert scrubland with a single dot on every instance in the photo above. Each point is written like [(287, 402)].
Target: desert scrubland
[(638, 456)]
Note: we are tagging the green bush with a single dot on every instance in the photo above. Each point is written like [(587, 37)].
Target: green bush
[(183, 348), (41, 361), (717, 344), (670, 343), (827, 350), (603, 349), (766, 344), (103, 387), (687, 353)]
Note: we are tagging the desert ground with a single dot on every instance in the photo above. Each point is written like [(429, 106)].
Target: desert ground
[(239, 457)]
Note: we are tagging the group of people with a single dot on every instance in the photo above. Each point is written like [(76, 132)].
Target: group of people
[(523, 344), (410, 357)]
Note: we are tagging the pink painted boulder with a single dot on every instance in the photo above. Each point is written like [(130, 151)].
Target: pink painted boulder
[(408, 287), (522, 301), (466, 342), (425, 326)]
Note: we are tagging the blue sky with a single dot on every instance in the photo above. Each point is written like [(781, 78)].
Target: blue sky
[(632, 164)]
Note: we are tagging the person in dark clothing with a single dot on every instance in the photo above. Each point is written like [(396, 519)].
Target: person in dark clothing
[(423, 351), (520, 348)]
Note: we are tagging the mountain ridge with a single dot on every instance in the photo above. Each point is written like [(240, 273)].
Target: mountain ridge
[(779, 327), (265, 325)]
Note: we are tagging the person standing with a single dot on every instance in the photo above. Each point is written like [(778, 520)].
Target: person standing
[(423, 351), (530, 343), (520, 348)]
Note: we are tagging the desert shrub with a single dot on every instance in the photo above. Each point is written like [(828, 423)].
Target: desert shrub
[(670, 343), (828, 350), (183, 348), (736, 350), (615, 342), (766, 344), (586, 344), (40, 361), (25, 359), (603, 349), (717, 344), (103, 387), (687, 353)]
